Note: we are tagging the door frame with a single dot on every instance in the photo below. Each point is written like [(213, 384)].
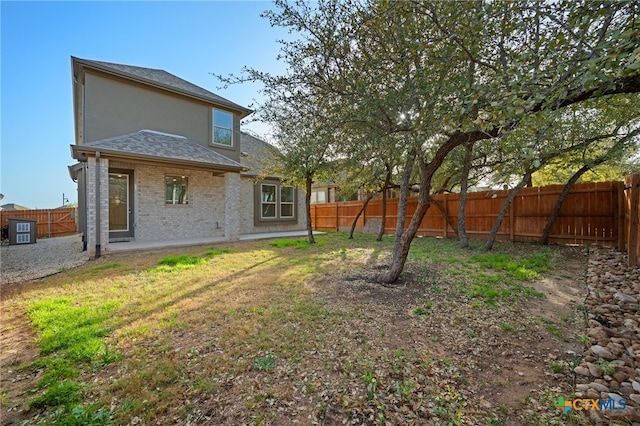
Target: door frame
[(129, 233)]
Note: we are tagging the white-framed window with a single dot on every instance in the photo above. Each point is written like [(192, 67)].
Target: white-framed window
[(275, 203), (268, 201), (23, 227), (222, 127), (318, 196), (23, 238), (176, 189), (286, 201)]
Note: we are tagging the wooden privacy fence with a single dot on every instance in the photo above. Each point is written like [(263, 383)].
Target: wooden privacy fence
[(592, 213), (50, 222), (629, 219)]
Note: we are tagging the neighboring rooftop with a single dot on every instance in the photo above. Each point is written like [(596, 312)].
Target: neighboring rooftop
[(161, 78), (256, 154), (12, 206)]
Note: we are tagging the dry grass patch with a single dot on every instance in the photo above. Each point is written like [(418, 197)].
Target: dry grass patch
[(276, 332)]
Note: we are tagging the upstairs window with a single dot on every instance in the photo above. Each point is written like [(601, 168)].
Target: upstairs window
[(222, 128)]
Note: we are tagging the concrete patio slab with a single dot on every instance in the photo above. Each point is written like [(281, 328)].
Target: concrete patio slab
[(150, 245)]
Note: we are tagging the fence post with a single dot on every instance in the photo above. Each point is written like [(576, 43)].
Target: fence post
[(620, 217), (634, 219), (337, 216)]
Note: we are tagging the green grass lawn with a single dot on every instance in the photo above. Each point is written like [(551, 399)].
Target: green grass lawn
[(269, 332)]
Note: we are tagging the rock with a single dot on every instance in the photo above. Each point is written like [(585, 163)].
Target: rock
[(592, 394), (615, 397), (582, 371), (625, 298), (602, 352), (626, 415), (614, 326), (621, 376), (599, 387), (596, 417), (626, 391), (610, 307), (594, 370)]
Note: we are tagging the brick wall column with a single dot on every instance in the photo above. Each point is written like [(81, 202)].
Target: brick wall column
[(92, 217), (232, 206)]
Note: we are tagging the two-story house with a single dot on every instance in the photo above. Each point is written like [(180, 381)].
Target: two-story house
[(162, 159)]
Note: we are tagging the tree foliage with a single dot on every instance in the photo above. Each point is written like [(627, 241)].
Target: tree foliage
[(428, 77)]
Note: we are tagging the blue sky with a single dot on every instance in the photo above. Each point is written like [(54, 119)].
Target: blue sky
[(192, 40)]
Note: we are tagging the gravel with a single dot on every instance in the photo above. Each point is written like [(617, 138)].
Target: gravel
[(47, 256), (610, 368)]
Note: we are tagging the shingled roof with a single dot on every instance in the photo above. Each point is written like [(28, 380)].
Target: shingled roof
[(157, 146), (255, 153), (162, 79)]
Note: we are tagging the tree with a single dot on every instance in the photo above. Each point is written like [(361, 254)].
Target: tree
[(304, 144), (403, 68), (616, 139)]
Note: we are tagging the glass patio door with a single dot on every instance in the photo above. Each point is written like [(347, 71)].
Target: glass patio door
[(120, 209)]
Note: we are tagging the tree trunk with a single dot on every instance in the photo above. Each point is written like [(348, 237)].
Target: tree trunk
[(565, 191), (462, 203), (503, 212), (387, 184), (404, 193), (307, 203), (404, 238), (384, 216), (402, 242), (364, 206)]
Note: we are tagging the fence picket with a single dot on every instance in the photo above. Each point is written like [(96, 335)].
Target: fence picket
[(602, 213), (50, 222)]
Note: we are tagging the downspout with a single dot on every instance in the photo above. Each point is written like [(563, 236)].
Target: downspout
[(97, 204)]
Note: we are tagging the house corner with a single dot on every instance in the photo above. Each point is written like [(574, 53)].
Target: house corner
[(232, 206)]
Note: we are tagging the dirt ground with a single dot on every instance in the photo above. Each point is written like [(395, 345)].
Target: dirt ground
[(495, 359), (502, 353)]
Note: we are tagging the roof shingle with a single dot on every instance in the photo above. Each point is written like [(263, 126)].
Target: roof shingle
[(162, 146)]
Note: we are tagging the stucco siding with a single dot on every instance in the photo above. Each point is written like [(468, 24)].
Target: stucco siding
[(114, 108), (246, 212), (156, 221)]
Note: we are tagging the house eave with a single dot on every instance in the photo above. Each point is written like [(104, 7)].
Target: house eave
[(243, 112), (81, 153)]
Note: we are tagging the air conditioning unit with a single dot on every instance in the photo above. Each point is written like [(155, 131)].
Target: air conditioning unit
[(22, 231)]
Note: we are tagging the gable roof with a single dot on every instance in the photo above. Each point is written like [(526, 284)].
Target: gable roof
[(158, 147), (159, 78), (255, 152)]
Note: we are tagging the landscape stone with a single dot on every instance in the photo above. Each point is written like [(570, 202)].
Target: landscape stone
[(625, 298), (594, 370), (614, 328), (602, 352), (599, 387)]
